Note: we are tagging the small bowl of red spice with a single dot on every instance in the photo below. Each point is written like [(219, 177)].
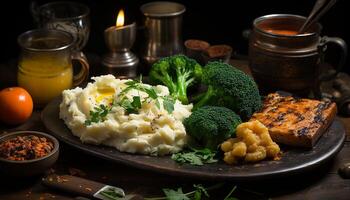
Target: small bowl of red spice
[(195, 48), (27, 153)]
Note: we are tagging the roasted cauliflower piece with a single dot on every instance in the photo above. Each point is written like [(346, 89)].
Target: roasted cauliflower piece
[(253, 144)]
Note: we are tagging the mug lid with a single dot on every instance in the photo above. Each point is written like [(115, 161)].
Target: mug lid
[(162, 9)]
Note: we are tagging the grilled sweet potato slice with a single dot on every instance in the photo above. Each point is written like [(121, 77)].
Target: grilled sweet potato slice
[(295, 121)]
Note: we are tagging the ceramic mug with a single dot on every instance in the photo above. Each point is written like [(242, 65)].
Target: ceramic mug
[(282, 59)]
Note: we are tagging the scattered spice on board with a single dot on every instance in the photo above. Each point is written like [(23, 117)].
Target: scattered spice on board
[(25, 147), (76, 172), (60, 179)]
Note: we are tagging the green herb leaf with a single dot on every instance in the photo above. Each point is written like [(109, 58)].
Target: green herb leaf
[(88, 122), (136, 102), (157, 103), (178, 194), (201, 189), (132, 82), (168, 104), (189, 157), (131, 106), (126, 90), (195, 157), (205, 154), (128, 105), (197, 195), (228, 196), (151, 93), (104, 111), (175, 195), (99, 114)]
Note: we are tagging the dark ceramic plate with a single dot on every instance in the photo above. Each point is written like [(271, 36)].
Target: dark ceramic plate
[(294, 160)]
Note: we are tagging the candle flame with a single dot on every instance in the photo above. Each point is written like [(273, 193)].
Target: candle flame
[(120, 18)]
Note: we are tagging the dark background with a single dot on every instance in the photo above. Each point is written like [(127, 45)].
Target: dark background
[(216, 21)]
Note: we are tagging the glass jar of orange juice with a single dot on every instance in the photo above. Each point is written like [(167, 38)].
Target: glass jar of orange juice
[(45, 64)]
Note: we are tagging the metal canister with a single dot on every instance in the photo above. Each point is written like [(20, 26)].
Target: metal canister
[(289, 62), (163, 29)]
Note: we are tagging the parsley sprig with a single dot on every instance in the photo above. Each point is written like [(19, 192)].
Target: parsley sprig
[(195, 156), (99, 114), (198, 193), (179, 195), (131, 106)]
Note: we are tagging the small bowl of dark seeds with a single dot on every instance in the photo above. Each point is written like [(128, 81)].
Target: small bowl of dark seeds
[(27, 153)]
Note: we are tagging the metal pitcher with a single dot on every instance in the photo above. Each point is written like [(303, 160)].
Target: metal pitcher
[(163, 27)]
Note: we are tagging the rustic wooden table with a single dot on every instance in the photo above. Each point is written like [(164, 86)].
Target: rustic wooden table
[(321, 183)]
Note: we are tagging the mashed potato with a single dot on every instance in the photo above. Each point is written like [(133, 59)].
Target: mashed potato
[(152, 130)]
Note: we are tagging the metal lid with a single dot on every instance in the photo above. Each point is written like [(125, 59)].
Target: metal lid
[(162, 9)]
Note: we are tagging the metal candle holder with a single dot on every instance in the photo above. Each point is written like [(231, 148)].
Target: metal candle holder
[(120, 61)]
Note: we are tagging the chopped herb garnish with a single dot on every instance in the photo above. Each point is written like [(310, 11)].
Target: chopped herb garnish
[(175, 194), (136, 103), (195, 157), (151, 93), (99, 114), (199, 191), (168, 104), (157, 103), (132, 82), (178, 194), (131, 106)]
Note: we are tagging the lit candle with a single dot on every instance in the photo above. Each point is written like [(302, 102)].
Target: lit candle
[(120, 18), (119, 38)]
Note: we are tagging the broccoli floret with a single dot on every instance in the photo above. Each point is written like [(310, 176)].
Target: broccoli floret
[(210, 125), (177, 73), (230, 88)]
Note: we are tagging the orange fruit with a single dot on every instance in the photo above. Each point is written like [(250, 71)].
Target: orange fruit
[(16, 105)]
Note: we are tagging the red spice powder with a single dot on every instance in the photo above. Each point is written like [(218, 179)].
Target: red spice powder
[(25, 147)]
